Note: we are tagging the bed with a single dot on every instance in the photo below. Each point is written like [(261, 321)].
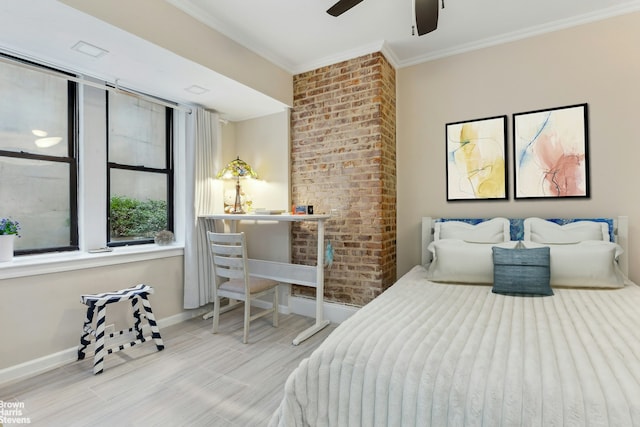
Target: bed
[(432, 352)]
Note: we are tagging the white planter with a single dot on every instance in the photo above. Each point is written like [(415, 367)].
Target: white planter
[(6, 247)]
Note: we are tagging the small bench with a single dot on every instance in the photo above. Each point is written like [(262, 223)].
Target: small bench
[(141, 309)]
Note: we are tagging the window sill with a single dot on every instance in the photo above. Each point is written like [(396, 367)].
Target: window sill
[(32, 265)]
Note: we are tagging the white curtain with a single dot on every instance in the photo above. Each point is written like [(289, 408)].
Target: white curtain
[(202, 163)]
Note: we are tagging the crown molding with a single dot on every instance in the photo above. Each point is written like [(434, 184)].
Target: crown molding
[(524, 34), (383, 47)]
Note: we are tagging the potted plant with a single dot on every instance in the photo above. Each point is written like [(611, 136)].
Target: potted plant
[(8, 230)]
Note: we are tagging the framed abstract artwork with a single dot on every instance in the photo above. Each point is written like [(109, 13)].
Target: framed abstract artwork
[(550, 153), (476, 160)]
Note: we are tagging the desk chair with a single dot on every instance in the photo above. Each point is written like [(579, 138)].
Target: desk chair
[(229, 258)]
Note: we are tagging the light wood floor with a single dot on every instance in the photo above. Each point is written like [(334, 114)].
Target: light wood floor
[(199, 379)]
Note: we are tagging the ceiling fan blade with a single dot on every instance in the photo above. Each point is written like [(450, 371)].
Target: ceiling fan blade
[(426, 15), (341, 7)]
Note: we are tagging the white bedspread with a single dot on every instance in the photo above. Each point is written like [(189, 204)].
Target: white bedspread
[(428, 354)]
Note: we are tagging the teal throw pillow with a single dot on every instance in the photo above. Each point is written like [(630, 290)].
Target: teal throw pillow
[(522, 271)]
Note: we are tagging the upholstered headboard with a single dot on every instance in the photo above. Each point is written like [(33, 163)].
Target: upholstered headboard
[(618, 232)]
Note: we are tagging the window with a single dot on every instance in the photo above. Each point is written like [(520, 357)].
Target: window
[(82, 165), (139, 169), (38, 166)]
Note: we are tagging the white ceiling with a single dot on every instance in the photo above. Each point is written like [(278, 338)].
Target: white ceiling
[(46, 30), (297, 35), (300, 36)]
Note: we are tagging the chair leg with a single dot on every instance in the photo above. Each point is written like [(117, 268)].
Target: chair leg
[(275, 307), (85, 340), (151, 319), (247, 319), (100, 351), (137, 324), (216, 314)]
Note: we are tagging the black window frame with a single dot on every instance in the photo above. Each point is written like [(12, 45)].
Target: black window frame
[(168, 170), (71, 159)]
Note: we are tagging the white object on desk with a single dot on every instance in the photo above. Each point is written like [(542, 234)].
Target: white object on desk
[(305, 275), (260, 211)]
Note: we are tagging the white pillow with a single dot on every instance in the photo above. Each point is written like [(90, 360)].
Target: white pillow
[(495, 230), (543, 231), (588, 264), (458, 261)]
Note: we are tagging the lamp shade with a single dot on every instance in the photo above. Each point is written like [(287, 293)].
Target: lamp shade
[(237, 169)]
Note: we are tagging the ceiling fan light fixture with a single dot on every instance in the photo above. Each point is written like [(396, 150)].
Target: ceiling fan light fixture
[(425, 13)]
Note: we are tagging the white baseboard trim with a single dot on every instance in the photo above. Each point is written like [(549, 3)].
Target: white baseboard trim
[(336, 313), (64, 357)]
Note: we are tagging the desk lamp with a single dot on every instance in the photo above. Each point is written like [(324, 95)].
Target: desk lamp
[(237, 169)]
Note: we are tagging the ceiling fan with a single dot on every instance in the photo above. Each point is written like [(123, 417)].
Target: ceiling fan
[(426, 13)]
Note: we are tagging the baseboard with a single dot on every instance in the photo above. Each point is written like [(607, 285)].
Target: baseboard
[(64, 357), (336, 313)]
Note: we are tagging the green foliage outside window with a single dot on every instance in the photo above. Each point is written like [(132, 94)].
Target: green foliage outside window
[(133, 218)]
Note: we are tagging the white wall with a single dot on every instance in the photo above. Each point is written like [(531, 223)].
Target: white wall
[(597, 63), (264, 143)]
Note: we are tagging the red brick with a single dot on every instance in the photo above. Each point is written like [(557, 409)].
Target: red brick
[(343, 157)]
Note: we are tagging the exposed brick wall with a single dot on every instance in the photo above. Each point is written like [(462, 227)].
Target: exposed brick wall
[(343, 156)]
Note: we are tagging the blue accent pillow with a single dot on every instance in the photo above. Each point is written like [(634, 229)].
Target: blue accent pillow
[(522, 271)]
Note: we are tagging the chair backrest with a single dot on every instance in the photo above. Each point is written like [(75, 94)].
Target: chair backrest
[(229, 255)]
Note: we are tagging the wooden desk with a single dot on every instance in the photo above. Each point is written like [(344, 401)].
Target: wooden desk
[(305, 275)]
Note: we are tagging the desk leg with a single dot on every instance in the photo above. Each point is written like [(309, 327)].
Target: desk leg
[(320, 322)]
